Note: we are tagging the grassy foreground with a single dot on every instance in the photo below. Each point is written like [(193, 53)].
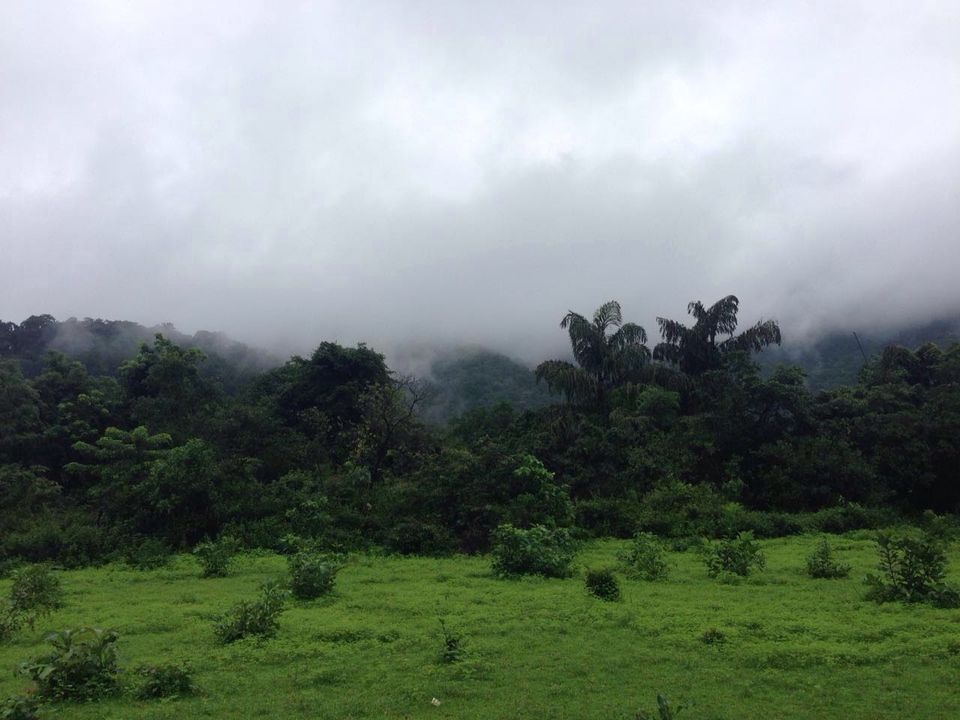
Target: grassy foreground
[(795, 647)]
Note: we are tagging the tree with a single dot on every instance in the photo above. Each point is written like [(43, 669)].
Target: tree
[(604, 361), (696, 350)]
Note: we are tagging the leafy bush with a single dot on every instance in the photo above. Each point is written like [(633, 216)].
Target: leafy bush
[(36, 590), (664, 711), (821, 563), (537, 551), (215, 557), (608, 517), (163, 681), (913, 570), (453, 646), (738, 557), (414, 537), (644, 558), (258, 617), (82, 665), (21, 707), (713, 636), (311, 574), (603, 584), (147, 554)]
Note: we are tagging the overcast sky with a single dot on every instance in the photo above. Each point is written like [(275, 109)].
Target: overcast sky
[(468, 171)]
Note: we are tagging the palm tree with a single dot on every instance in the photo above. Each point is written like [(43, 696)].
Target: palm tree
[(604, 360), (696, 350)]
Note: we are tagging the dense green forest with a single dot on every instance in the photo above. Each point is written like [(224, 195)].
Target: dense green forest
[(107, 445)]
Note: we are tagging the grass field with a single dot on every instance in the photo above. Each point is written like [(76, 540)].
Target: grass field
[(795, 647)]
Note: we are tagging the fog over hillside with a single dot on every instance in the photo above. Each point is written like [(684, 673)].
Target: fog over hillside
[(425, 174)]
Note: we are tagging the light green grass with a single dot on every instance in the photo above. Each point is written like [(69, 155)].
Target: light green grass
[(795, 647)]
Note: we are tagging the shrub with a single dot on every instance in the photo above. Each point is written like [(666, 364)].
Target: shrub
[(163, 681), (215, 557), (664, 711), (913, 570), (821, 563), (10, 622), (311, 574), (644, 558), (738, 557), (21, 707), (453, 646), (82, 665), (35, 590), (258, 617), (603, 584), (608, 517), (712, 636), (537, 551), (147, 554)]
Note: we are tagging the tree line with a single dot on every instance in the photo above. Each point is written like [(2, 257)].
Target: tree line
[(685, 438)]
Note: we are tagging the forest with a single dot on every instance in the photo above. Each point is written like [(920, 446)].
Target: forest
[(684, 437)]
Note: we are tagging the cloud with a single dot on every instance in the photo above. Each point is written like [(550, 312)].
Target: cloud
[(462, 172)]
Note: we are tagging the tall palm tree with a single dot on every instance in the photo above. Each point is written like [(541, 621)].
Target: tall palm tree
[(604, 360), (695, 350)]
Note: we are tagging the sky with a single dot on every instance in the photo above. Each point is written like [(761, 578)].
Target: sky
[(447, 172)]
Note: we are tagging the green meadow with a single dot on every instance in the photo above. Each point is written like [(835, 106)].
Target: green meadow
[(791, 646)]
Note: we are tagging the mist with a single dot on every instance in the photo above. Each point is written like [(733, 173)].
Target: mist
[(418, 175)]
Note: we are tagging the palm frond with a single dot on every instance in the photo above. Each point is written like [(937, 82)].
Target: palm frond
[(606, 315), (563, 377), (754, 339), (629, 335)]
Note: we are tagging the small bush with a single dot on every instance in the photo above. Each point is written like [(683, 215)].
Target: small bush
[(311, 574), (664, 711), (453, 648), (602, 584), (215, 557), (712, 636), (35, 590), (21, 707), (738, 557), (164, 681), (10, 622), (821, 563), (537, 551), (644, 558), (147, 554), (912, 570), (259, 618), (82, 665)]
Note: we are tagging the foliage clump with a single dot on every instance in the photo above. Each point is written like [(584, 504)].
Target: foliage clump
[(215, 557), (453, 644), (312, 574), (147, 554), (912, 570), (603, 584), (739, 556), (644, 559), (537, 551), (165, 680), (822, 564), (665, 711), (35, 591), (713, 636), (257, 618), (81, 666), (19, 707)]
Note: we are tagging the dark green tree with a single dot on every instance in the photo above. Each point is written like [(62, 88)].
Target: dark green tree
[(605, 360)]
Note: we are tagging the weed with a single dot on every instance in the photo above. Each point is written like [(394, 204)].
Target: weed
[(739, 556), (644, 558), (164, 681), (537, 551), (259, 618), (215, 557), (664, 711), (82, 665), (453, 646), (821, 563), (913, 570), (603, 584), (311, 574), (21, 707), (713, 636)]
